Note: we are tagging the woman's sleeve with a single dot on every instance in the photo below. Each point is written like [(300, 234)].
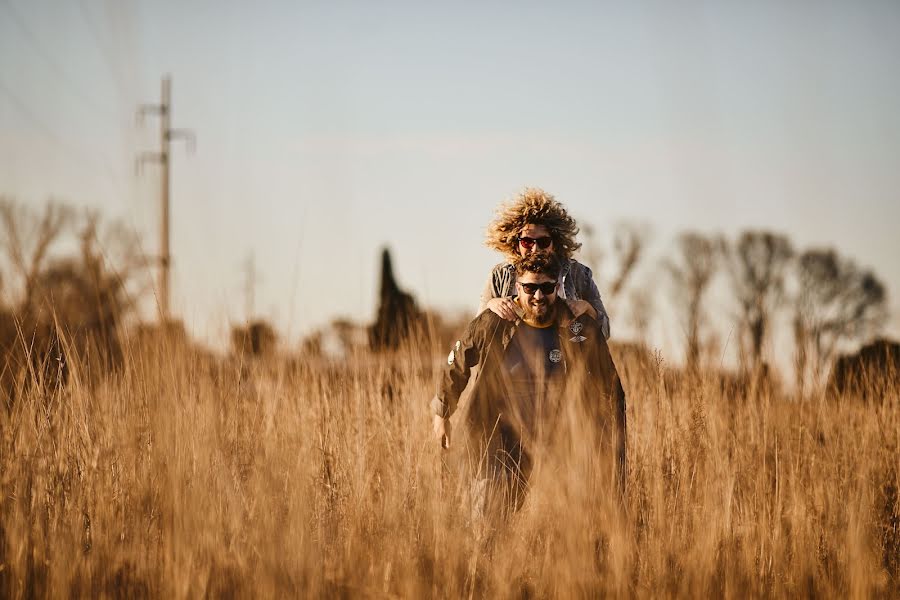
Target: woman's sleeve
[(487, 293), (591, 294)]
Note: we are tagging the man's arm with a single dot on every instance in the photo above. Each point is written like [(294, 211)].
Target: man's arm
[(621, 471), (614, 394), (465, 354)]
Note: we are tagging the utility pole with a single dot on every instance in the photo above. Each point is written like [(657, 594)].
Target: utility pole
[(166, 134)]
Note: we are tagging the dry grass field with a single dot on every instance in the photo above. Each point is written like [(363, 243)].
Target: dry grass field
[(181, 476)]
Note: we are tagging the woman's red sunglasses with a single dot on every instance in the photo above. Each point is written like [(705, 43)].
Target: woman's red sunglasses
[(542, 242)]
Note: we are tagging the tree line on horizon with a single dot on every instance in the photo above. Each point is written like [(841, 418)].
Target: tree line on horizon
[(823, 300), (70, 281)]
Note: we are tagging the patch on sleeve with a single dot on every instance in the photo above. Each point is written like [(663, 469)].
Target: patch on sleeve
[(575, 327), (577, 338)]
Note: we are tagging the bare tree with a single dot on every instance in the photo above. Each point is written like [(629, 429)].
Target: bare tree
[(691, 271), (629, 243), (619, 258), (106, 260), (591, 251), (757, 263), (836, 302), (624, 253), (640, 302), (112, 256), (78, 292), (27, 238)]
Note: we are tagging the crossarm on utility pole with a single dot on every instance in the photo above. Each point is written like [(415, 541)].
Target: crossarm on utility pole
[(187, 135), (148, 109), (145, 157)]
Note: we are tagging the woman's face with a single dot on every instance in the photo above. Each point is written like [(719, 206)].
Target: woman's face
[(532, 238)]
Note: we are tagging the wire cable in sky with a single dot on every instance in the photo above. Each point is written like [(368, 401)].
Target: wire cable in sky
[(121, 86), (80, 156), (73, 85)]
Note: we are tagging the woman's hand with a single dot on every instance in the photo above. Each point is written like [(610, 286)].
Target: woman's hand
[(505, 308), (580, 307)]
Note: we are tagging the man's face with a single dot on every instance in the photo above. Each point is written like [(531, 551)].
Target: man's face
[(536, 302)]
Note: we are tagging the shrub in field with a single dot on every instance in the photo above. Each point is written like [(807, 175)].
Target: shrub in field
[(872, 373), (256, 339), (62, 305)]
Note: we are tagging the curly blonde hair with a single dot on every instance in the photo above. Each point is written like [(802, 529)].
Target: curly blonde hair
[(532, 206)]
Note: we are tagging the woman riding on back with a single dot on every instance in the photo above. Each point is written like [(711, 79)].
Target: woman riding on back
[(534, 221)]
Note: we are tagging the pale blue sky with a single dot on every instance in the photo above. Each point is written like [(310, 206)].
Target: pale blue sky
[(325, 130)]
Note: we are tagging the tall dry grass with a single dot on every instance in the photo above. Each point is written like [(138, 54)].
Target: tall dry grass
[(181, 476)]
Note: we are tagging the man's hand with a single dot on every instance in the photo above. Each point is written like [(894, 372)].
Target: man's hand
[(580, 307), (505, 308), (442, 430)]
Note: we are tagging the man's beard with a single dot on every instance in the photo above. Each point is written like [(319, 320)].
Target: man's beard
[(539, 312)]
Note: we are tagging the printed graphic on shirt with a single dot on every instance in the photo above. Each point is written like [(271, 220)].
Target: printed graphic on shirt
[(532, 355)]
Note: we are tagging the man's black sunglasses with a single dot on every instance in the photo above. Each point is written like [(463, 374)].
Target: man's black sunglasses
[(532, 288), (542, 242)]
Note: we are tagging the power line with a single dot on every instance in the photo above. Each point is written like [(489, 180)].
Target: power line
[(62, 74), (104, 50), (39, 124), (79, 155)]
